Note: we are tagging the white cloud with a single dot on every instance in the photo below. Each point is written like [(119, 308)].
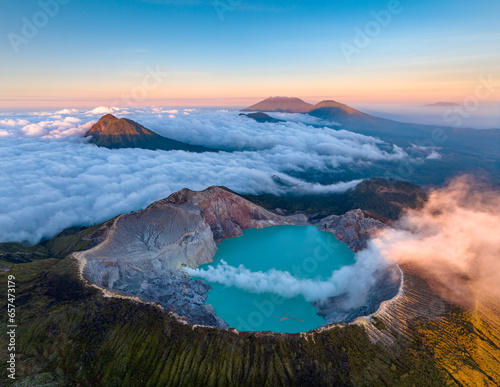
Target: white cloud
[(42, 113), (424, 152), (67, 111), (59, 128), (103, 110), (13, 122), (72, 119), (37, 130), (433, 156), (47, 186), (162, 110)]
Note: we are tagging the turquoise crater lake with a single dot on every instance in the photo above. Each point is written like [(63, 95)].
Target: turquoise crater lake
[(305, 252)]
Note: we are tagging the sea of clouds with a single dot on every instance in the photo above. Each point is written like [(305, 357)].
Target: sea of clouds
[(52, 178)]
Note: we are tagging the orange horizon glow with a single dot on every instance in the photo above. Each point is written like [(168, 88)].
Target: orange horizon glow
[(348, 99), (231, 92)]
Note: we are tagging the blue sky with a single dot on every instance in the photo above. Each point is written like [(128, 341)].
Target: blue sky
[(98, 50)]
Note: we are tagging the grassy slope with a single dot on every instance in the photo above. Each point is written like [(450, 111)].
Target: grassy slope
[(70, 334), (466, 344), (67, 242)]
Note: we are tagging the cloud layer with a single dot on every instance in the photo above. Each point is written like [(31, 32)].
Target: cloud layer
[(52, 179)]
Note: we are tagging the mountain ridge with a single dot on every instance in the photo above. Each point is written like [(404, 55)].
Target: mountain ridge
[(360, 122), (280, 104)]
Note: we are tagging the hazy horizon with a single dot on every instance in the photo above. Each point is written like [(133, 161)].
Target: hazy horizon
[(485, 116)]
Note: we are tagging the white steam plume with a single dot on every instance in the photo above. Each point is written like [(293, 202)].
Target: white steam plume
[(454, 241), (353, 281)]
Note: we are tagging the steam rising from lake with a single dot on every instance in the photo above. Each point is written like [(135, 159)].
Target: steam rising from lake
[(287, 285)]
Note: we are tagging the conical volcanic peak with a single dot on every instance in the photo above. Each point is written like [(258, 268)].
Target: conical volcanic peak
[(112, 132), (281, 104), (111, 126), (340, 107)]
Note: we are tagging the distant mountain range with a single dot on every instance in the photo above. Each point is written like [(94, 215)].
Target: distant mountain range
[(111, 132), (442, 104), (401, 133), (341, 114), (296, 105), (461, 150)]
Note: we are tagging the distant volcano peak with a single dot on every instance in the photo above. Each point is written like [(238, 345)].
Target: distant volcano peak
[(281, 98), (442, 104), (109, 125), (331, 104), (108, 117), (281, 104), (296, 105)]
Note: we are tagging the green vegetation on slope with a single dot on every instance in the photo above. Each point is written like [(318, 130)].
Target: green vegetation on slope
[(67, 242), (386, 198)]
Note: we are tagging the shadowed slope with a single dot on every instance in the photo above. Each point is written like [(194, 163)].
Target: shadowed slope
[(261, 117)]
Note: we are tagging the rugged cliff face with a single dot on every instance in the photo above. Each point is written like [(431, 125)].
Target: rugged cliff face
[(227, 213), (353, 228), (144, 252)]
